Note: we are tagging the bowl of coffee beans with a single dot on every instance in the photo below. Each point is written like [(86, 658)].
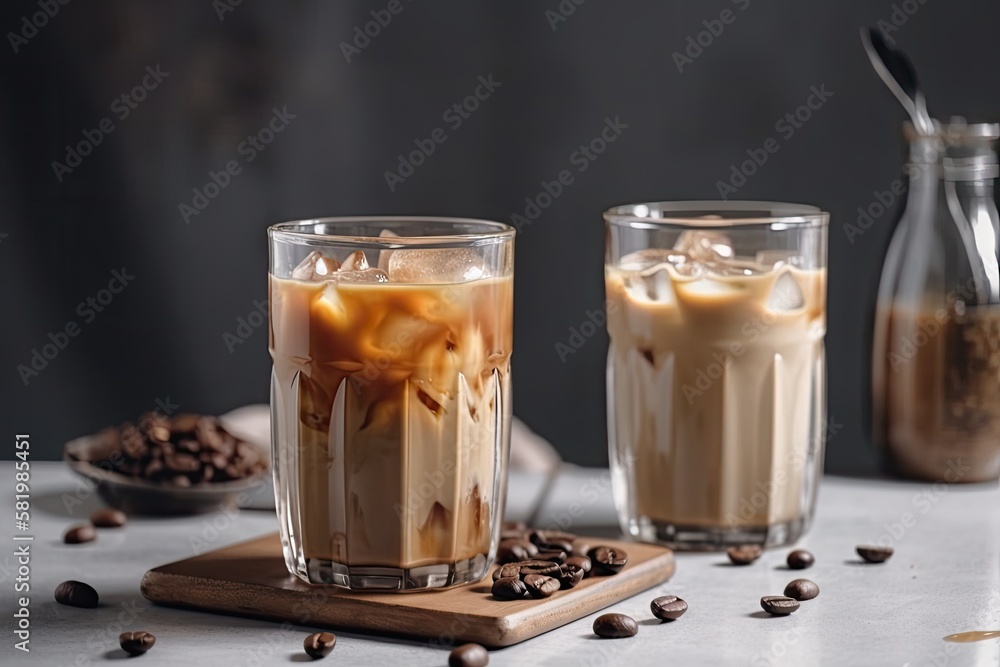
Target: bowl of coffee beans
[(181, 464)]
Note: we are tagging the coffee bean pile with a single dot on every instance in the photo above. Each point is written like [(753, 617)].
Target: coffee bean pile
[(538, 563), (184, 450)]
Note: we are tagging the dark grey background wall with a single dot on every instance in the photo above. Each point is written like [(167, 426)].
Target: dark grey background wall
[(162, 339)]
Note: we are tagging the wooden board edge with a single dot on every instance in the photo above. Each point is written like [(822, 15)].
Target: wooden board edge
[(408, 622)]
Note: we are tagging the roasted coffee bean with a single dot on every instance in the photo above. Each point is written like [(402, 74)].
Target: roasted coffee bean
[(80, 534), (874, 554), (76, 594), (779, 605), (181, 481), (108, 518), (541, 537), (136, 643), (744, 555), (512, 551), (208, 433), (800, 559), (607, 560), (553, 540), (190, 446), (515, 525), (509, 588), (159, 434), (580, 562), (468, 655), (181, 462), (615, 626), (801, 589), (541, 586), (569, 576), (668, 607), (319, 644), (182, 423), (507, 571), (552, 556), (536, 567)]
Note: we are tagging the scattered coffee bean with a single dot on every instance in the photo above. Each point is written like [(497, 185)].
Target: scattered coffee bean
[(779, 605), (668, 607), (801, 589), (615, 626), (108, 518), (800, 559), (874, 554), (514, 550), (608, 560), (319, 644), (541, 586), (80, 534), (76, 594), (744, 555), (509, 588), (468, 655), (518, 526), (579, 562), (569, 576), (136, 643)]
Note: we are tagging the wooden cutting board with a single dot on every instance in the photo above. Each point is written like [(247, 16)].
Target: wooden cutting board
[(250, 579)]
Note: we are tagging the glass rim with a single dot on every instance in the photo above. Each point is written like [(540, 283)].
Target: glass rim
[(303, 232), (690, 214)]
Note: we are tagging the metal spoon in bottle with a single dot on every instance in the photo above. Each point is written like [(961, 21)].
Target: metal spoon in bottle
[(896, 71)]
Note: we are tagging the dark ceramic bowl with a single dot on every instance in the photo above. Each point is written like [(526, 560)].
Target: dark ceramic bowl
[(88, 457)]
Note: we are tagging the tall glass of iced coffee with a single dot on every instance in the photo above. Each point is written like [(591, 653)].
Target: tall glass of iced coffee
[(390, 397), (716, 314)]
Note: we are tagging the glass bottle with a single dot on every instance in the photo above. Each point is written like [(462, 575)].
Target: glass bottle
[(936, 347)]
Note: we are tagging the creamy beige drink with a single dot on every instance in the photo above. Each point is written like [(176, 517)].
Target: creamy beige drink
[(715, 391), (393, 403)]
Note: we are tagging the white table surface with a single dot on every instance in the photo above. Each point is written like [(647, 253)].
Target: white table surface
[(944, 578)]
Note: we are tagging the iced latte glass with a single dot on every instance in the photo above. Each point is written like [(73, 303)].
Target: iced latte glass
[(390, 397), (716, 314)]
